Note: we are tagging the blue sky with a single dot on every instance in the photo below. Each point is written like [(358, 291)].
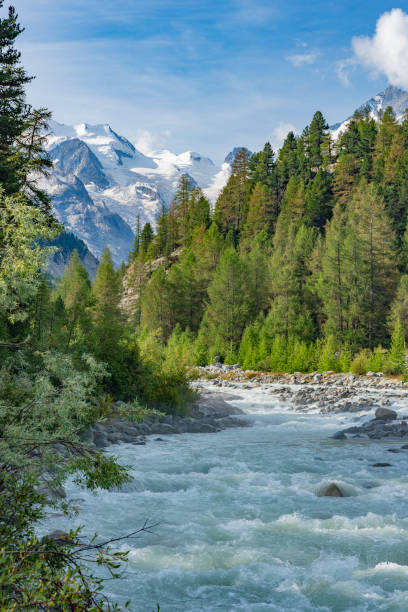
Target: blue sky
[(201, 75)]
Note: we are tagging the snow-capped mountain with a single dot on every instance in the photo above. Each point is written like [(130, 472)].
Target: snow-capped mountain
[(101, 183), (392, 96)]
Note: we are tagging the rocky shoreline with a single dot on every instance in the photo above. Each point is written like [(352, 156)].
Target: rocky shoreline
[(209, 414), (327, 393), (323, 393)]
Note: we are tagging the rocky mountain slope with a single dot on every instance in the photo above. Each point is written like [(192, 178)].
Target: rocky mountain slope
[(392, 96), (101, 183)]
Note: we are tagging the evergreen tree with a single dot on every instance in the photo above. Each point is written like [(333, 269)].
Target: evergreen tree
[(288, 162), (162, 236), (231, 206), (21, 128), (156, 307), (146, 238), (332, 288), (199, 212), (228, 308), (186, 293), (319, 203), (262, 215), (317, 143), (107, 319), (74, 289), (365, 267), (137, 242), (262, 167), (180, 210), (399, 308), (290, 313), (396, 358)]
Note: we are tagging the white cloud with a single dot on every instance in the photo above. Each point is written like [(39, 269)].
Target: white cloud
[(280, 133), (301, 59), (387, 51)]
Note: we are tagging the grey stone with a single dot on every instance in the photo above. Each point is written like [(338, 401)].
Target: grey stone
[(332, 490), (385, 414)]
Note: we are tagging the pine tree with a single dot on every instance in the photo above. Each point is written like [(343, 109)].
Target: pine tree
[(137, 242), (156, 307), (288, 162), (258, 278), (364, 266), (146, 238), (186, 293), (317, 143), (399, 308), (180, 210), (207, 246), (262, 167), (162, 236), (231, 206), (290, 312), (107, 318), (228, 307), (319, 203), (396, 357), (262, 215), (332, 288), (74, 289), (199, 212), (21, 128)]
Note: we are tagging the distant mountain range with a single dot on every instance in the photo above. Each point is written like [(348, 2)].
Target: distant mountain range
[(392, 96), (101, 183)]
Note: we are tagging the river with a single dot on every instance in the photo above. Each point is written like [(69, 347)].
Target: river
[(241, 527)]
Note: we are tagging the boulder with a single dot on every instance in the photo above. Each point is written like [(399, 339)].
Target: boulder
[(332, 490), (385, 414)]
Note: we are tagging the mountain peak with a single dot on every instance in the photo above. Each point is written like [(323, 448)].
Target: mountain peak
[(392, 96)]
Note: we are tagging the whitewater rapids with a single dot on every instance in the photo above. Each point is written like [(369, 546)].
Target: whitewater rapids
[(241, 527)]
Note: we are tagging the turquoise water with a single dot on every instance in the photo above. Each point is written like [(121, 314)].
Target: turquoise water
[(241, 527)]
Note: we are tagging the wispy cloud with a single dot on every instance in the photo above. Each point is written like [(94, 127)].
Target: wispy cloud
[(344, 68), (280, 132), (302, 59)]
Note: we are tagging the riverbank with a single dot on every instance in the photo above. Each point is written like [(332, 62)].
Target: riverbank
[(368, 397), (323, 393), (210, 413)]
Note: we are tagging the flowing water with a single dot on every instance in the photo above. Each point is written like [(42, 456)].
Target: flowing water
[(241, 527)]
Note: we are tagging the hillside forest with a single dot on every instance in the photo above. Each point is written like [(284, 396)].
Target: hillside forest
[(300, 266)]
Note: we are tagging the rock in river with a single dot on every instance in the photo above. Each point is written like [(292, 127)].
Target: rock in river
[(332, 490), (385, 414)]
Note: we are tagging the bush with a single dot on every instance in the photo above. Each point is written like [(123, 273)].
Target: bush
[(359, 365)]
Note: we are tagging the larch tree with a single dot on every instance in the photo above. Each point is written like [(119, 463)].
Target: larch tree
[(229, 297), (74, 289)]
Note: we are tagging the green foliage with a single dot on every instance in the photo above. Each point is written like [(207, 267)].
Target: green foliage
[(229, 297), (396, 358)]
